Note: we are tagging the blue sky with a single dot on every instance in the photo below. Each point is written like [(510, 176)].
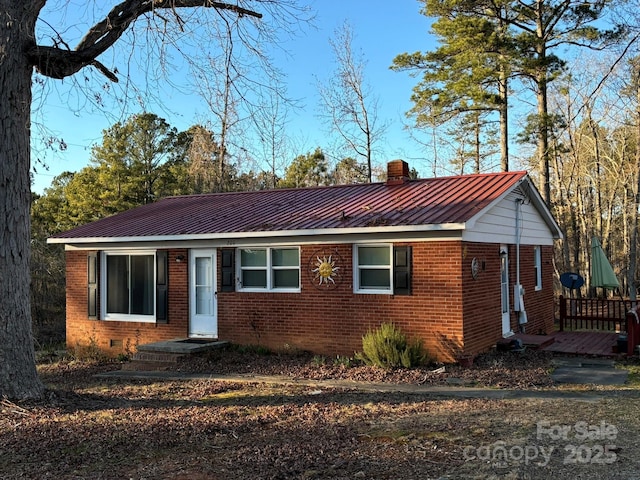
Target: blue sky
[(381, 29)]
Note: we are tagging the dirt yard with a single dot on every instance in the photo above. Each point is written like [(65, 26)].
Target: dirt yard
[(92, 428)]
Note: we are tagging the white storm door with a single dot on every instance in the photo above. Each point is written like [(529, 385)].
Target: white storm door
[(203, 321), (504, 289)]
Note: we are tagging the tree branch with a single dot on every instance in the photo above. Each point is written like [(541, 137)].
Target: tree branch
[(59, 63)]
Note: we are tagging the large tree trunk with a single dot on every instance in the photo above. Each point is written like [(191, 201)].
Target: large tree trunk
[(633, 241), (543, 103), (18, 376), (504, 120), (543, 139)]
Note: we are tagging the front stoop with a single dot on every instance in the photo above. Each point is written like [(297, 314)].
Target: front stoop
[(166, 355)]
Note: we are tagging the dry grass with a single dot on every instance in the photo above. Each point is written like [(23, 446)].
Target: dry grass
[(111, 429)]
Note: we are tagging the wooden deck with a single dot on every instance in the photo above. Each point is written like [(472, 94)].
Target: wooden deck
[(600, 344), (590, 326)]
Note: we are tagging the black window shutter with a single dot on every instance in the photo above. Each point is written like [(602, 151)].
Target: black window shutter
[(162, 286), (92, 284), (402, 270), (228, 270)]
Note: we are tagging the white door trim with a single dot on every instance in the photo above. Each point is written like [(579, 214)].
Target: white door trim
[(504, 291), (203, 307)]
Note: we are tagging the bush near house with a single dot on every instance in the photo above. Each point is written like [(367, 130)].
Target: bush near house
[(388, 347)]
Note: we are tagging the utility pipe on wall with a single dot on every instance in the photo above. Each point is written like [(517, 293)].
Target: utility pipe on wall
[(518, 291)]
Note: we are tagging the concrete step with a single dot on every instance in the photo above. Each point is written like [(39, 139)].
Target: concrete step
[(183, 346), (535, 342), (153, 361), (167, 354), (158, 357), (147, 366)]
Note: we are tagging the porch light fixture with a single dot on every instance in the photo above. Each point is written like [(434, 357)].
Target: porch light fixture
[(179, 258)]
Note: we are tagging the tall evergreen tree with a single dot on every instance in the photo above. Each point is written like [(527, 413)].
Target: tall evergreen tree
[(541, 28), (467, 74), (132, 159), (310, 170), (348, 170), (485, 42)]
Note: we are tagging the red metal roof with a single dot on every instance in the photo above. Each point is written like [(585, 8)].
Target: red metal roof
[(445, 200)]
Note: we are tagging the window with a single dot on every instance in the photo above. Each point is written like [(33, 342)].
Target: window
[(285, 264), (128, 286), (270, 269), (537, 266), (372, 269), (382, 269)]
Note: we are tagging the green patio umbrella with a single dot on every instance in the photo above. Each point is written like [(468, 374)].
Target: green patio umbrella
[(602, 274)]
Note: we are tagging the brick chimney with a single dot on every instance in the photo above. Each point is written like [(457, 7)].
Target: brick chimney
[(397, 172)]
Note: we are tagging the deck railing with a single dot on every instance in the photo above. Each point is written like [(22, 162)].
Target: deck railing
[(633, 329), (594, 314)]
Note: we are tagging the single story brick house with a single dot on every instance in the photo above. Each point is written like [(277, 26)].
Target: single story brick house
[(459, 262)]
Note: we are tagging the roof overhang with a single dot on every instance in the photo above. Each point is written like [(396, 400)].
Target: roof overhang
[(399, 230)]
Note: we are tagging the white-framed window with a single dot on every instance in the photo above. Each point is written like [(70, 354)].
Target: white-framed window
[(128, 286), (537, 266), (269, 269), (373, 268)]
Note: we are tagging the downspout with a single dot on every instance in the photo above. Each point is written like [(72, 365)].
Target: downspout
[(518, 291), (518, 213)]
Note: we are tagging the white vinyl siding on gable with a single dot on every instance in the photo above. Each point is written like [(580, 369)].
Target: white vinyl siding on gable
[(498, 224)]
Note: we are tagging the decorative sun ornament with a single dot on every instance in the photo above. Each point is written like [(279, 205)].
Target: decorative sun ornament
[(324, 271)]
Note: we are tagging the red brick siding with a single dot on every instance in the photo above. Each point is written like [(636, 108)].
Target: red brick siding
[(481, 297), (482, 304), (539, 304), (82, 332), (333, 321)]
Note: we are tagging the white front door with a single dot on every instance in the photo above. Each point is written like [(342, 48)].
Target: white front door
[(504, 289), (203, 320)]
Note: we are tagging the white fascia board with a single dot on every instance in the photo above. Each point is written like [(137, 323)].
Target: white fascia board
[(412, 229), (439, 236)]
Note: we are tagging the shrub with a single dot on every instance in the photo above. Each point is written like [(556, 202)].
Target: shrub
[(319, 360), (342, 361), (388, 347), (251, 349), (89, 352)]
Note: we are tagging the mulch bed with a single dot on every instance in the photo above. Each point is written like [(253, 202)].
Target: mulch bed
[(509, 370)]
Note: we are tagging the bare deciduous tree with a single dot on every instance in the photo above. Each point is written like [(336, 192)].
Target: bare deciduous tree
[(166, 23), (270, 121), (347, 104)]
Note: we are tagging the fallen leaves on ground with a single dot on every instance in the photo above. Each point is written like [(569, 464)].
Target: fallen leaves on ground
[(108, 428), (529, 369)]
